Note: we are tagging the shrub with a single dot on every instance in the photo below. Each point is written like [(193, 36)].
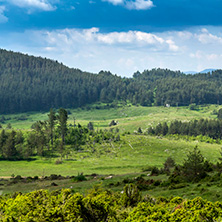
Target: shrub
[(169, 163), (155, 171), (80, 177), (58, 162), (131, 195)]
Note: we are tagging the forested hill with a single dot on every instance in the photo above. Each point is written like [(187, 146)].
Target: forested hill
[(29, 83)]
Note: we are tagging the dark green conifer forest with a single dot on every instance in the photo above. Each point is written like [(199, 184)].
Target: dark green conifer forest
[(29, 83)]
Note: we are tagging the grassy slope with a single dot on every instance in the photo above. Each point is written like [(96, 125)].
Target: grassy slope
[(128, 157), (129, 117)]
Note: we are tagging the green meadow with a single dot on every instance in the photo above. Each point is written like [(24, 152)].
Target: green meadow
[(131, 156), (129, 117)]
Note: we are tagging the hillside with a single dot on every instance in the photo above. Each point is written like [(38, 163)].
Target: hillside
[(29, 83)]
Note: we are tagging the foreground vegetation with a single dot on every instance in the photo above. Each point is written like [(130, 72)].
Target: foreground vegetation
[(103, 205)]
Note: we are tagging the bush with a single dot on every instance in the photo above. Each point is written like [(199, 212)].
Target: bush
[(80, 177), (169, 163), (131, 195), (113, 123), (155, 171), (58, 162)]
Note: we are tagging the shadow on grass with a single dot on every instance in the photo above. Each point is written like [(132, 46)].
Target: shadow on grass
[(18, 159)]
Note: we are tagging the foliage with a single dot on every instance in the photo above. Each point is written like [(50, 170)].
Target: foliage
[(80, 177), (193, 167), (90, 126), (113, 123), (101, 205), (139, 130), (131, 195), (169, 163), (208, 128), (28, 83), (219, 114), (63, 206), (44, 139)]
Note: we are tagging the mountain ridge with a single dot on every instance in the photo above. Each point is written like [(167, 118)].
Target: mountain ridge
[(203, 71), (29, 83)]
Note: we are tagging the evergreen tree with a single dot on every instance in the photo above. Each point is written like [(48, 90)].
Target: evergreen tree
[(3, 138), (62, 119), (193, 166), (164, 128), (51, 120), (9, 150), (219, 114)]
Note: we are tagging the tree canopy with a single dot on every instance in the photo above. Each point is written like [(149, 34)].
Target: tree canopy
[(29, 83)]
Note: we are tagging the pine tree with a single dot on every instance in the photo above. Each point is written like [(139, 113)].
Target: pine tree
[(9, 150), (62, 118), (51, 120), (193, 166)]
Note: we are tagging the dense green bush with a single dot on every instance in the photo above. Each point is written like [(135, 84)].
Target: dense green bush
[(104, 206)]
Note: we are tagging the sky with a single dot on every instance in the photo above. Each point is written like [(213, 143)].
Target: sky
[(121, 36)]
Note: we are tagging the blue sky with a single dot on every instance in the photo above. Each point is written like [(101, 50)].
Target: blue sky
[(122, 36)]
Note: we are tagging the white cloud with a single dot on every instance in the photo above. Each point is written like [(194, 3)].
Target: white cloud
[(197, 55), (115, 2), (185, 35), (206, 38), (213, 57), (3, 18), (201, 55), (172, 46), (133, 4), (139, 4), (130, 37), (91, 50), (122, 52), (43, 5)]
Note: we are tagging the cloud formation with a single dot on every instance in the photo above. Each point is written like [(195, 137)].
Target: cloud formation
[(3, 18), (43, 5), (124, 52), (205, 37), (133, 4), (130, 40)]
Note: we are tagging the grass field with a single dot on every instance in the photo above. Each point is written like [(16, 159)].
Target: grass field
[(131, 155), (128, 117), (128, 157)]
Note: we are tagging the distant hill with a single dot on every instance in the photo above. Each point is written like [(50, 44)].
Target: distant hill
[(207, 70), (29, 83), (204, 71)]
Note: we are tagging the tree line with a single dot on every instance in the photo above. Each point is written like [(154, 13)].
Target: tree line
[(206, 127), (29, 83), (51, 136)]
